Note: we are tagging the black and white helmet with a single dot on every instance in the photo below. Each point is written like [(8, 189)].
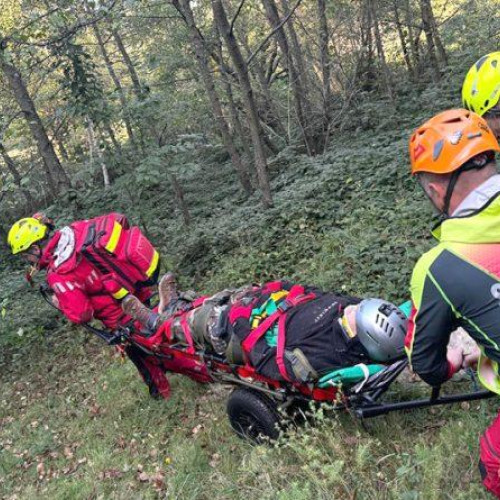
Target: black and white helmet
[(381, 328)]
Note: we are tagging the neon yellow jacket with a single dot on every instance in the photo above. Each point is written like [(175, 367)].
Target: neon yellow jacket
[(457, 283)]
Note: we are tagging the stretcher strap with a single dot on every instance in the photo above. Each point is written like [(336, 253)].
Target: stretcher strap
[(292, 300), (280, 349), (187, 335)]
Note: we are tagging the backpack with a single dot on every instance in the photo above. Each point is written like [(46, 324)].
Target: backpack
[(117, 249)]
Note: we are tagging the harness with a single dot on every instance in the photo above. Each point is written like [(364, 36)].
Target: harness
[(295, 297)]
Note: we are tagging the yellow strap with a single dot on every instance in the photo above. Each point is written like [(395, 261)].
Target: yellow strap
[(154, 264), (114, 238), (122, 292)]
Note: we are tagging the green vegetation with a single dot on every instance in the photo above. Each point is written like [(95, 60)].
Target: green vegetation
[(76, 422)]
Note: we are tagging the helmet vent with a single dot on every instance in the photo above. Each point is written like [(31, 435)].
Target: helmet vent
[(457, 119), (481, 62), (494, 63)]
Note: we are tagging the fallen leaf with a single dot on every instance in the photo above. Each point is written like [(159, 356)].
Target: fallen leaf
[(40, 470)]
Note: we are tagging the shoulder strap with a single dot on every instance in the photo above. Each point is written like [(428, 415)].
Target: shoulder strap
[(294, 298)]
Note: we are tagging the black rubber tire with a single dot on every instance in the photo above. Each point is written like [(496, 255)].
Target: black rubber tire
[(253, 415)]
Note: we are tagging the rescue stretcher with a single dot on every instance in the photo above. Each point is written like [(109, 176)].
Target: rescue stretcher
[(258, 406)]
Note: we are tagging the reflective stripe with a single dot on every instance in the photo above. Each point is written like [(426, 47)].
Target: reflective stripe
[(59, 288), (114, 238), (487, 371), (154, 264), (120, 293)]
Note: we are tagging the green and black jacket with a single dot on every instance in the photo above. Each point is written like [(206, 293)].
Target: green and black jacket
[(457, 283)]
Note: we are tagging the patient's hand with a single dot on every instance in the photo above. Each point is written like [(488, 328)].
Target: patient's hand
[(471, 358), (455, 356)]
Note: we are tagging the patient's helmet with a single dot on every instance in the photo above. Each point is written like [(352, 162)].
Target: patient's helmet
[(381, 328)]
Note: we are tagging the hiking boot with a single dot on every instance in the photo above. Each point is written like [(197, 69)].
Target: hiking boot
[(134, 308), (167, 290)]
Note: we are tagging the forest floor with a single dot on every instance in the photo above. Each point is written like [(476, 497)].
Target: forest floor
[(77, 423)]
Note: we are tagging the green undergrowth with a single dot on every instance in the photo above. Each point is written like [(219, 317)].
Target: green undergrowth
[(76, 422)]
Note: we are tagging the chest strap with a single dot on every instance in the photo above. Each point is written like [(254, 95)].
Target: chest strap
[(294, 298)]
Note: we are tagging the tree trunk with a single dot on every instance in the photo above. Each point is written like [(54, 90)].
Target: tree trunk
[(426, 11), (270, 115), (402, 39), (96, 150), (324, 57), (62, 148), (386, 74), (294, 77), (184, 9), (297, 54), (241, 67), (12, 168), (112, 136), (117, 83), (56, 176), (136, 84), (412, 40), (179, 195)]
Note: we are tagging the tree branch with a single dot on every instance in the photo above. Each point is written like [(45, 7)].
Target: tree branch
[(236, 15), (268, 37)]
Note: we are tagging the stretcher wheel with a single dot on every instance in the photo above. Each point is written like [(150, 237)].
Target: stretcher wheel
[(253, 415)]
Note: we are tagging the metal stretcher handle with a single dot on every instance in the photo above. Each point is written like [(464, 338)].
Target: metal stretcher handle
[(434, 400)]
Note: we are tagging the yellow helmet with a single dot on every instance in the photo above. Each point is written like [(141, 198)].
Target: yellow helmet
[(24, 233), (481, 88)]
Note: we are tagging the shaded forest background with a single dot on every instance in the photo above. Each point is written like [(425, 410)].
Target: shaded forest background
[(95, 90), (252, 139)]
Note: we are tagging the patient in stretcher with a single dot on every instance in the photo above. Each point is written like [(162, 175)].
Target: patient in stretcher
[(286, 331)]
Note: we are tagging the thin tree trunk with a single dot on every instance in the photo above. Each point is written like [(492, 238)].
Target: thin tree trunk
[(297, 90), (62, 148), (412, 40), (179, 195), (117, 83), (435, 34), (112, 136), (274, 121), (386, 75), (56, 176), (184, 9), (402, 39), (12, 168), (136, 84), (324, 56), (95, 150), (248, 100), (426, 11), (297, 54)]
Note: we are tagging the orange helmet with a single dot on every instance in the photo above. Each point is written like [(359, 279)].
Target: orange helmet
[(449, 140)]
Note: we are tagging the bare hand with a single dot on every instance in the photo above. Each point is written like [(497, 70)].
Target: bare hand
[(471, 358), (455, 356)]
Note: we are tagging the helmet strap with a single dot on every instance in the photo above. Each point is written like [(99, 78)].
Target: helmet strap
[(477, 163)]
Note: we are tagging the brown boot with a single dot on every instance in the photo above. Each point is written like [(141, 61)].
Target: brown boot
[(167, 290), (134, 308)]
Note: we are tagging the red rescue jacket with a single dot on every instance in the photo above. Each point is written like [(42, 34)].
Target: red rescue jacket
[(83, 291)]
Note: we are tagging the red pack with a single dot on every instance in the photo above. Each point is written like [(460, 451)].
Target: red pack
[(117, 249), (489, 463)]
